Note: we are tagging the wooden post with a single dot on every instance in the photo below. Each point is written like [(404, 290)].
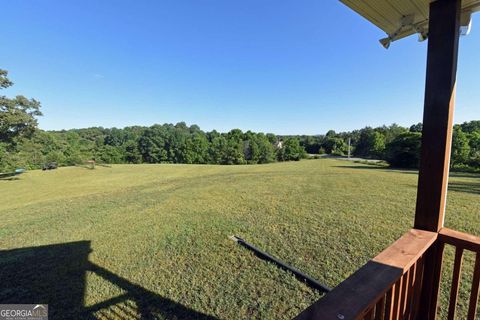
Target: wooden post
[(443, 36), (444, 31)]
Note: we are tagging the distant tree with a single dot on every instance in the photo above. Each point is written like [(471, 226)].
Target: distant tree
[(6, 163), (217, 148), (474, 142), (17, 115), (74, 157), (391, 132), (378, 145), (291, 150), (251, 150), (114, 137), (404, 150), (235, 135), (257, 148), (335, 145), (266, 151), (460, 147), (198, 144), (471, 126), (272, 138), (28, 154), (131, 153), (108, 154), (371, 144), (153, 145), (416, 127), (55, 156), (233, 152), (311, 144), (330, 133)]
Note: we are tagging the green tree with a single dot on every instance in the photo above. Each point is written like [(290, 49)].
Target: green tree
[(199, 146), (371, 144), (404, 150), (471, 126), (416, 127), (153, 145), (474, 142), (17, 115), (335, 145), (7, 158), (391, 132), (233, 151), (131, 153), (291, 150), (460, 147), (217, 147), (266, 151)]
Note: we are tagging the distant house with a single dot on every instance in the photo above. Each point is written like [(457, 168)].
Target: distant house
[(278, 144)]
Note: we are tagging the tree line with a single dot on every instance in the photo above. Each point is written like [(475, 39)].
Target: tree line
[(165, 143), (24, 145), (397, 145)]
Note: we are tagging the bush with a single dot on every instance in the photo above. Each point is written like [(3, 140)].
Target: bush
[(291, 150), (404, 150)]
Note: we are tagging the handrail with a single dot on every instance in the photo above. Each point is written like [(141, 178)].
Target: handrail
[(385, 285), (459, 239)]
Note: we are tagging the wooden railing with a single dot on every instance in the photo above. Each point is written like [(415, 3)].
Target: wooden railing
[(390, 285), (461, 242)]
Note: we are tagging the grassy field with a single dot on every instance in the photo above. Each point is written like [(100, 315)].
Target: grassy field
[(151, 240)]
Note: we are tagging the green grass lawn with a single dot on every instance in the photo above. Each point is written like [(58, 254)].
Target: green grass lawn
[(152, 240)]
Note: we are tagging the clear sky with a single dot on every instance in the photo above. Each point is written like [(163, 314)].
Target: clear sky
[(287, 67)]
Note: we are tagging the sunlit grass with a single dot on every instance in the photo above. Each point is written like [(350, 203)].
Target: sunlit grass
[(164, 228)]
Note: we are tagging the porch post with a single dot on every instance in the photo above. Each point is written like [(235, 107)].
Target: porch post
[(444, 32)]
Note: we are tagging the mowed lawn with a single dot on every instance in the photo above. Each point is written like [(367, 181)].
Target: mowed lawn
[(151, 241)]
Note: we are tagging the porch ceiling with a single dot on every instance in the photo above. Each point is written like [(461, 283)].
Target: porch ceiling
[(389, 15)]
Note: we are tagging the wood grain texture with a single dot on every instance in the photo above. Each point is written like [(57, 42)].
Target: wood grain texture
[(444, 23)]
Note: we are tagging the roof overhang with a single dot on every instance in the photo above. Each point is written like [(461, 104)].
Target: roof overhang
[(402, 18)]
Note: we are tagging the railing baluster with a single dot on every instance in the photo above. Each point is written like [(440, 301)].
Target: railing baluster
[(418, 286), (472, 309), (389, 303), (403, 296), (396, 298), (370, 314), (410, 291), (437, 278), (380, 309), (457, 267)]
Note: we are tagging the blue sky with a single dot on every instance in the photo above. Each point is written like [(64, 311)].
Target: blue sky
[(287, 67)]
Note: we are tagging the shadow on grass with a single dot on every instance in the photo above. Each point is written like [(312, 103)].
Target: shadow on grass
[(453, 174), (9, 178), (458, 186), (467, 187), (56, 275), (379, 168)]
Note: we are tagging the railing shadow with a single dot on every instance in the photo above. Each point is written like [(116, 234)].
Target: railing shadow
[(452, 174), (56, 275), (380, 168), (467, 187), (9, 178)]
